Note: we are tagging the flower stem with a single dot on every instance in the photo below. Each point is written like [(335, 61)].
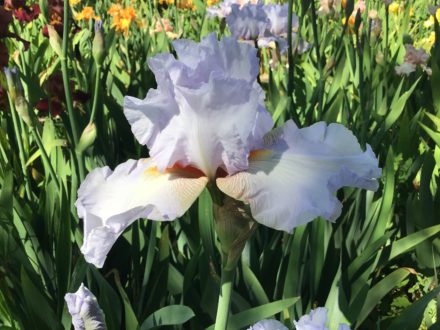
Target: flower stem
[(45, 156), (96, 94), (15, 120), (224, 299), (69, 102), (64, 71)]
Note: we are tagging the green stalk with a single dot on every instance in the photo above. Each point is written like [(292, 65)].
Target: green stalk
[(45, 157), (96, 94), (20, 149), (64, 70), (224, 299), (290, 52), (361, 88), (69, 103), (318, 59)]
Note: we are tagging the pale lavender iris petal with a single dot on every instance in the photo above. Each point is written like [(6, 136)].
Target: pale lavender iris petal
[(109, 201), (249, 22), (268, 325), (227, 57), (84, 309), (315, 320), (295, 178), (278, 17), (208, 109), (223, 9), (215, 127)]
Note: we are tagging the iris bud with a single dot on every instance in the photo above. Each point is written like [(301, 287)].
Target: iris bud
[(98, 50), (54, 40), (87, 138)]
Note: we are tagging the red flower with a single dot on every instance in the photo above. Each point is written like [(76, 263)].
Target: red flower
[(14, 4), (53, 104), (55, 90), (27, 14)]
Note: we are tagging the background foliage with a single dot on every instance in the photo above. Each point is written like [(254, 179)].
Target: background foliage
[(374, 268)]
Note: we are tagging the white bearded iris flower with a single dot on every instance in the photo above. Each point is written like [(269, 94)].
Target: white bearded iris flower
[(206, 122)]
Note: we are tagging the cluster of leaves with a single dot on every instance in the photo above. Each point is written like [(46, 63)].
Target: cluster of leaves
[(367, 268)]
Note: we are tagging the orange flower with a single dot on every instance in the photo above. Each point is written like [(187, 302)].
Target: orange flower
[(122, 18), (86, 14), (114, 10)]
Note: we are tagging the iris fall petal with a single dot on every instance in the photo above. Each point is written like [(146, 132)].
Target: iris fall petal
[(109, 201), (294, 179)]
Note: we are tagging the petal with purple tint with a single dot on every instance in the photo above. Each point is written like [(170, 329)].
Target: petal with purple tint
[(208, 109), (248, 22), (84, 309)]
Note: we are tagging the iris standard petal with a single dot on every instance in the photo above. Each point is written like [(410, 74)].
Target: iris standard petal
[(294, 179), (247, 22), (278, 17), (109, 201), (208, 109), (84, 309)]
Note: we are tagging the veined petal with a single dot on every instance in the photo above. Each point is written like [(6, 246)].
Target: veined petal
[(294, 179), (208, 109), (109, 201)]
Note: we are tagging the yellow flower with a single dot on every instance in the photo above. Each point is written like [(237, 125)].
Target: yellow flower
[(74, 2), (430, 21), (210, 3), (395, 7), (431, 39), (351, 20), (86, 14)]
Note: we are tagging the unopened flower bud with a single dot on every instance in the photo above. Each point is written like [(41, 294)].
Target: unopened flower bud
[(9, 74), (54, 40), (22, 107), (98, 50), (234, 226), (87, 138), (379, 58)]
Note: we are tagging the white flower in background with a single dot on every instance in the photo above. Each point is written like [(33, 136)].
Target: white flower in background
[(316, 320), (413, 58), (84, 309), (206, 122), (327, 7), (268, 325), (248, 22), (265, 24), (223, 9)]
